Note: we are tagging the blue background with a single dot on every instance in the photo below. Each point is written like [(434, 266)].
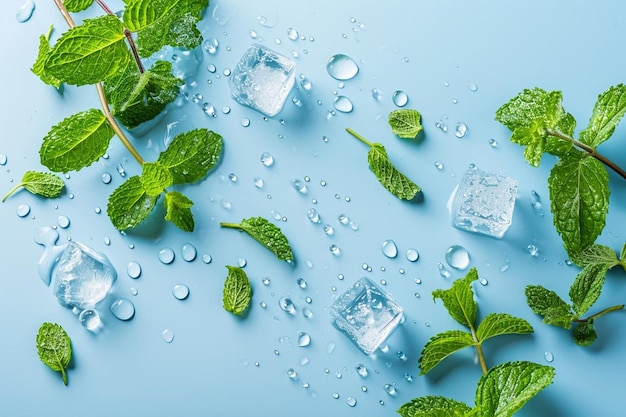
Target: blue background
[(431, 50)]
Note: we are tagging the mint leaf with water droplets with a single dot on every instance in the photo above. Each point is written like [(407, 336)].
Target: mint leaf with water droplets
[(607, 113), (596, 254), (497, 324), (38, 67), (585, 333), (266, 233), (587, 287), (548, 304), (76, 142), (155, 178), (178, 211), (75, 6), (441, 346), (405, 123), (44, 184), (54, 348), (129, 204), (459, 300), (237, 291), (434, 406)]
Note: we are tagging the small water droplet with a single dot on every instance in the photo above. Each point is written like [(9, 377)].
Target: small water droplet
[(23, 210), (391, 389), (335, 395), (242, 262), (389, 248), (3, 159), (133, 291), (133, 269), (334, 249), (267, 159), (461, 130), (535, 203), (505, 267), (206, 258), (25, 12), (402, 356), (188, 252), (377, 94), (351, 401), (63, 222), (343, 104), (292, 374), (532, 250), (210, 45), (166, 256), (493, 143), (120, 170), (342, 67), (457, 257), (400, 98), (306, 312), (301, 283), (472, 86), (167, 335), (443, 271), (180, 291), (299, 186), (412, 255), (106, 178), (123, 309), (439, 165), (245, 122), (354, 225), (304, 339), (287, 305), (548, 356), (483, 281)]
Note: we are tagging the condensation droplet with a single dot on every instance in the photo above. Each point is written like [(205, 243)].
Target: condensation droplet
[(493, 143), (106, 178), (133, 269), (25, 12), (389, 248), (472, 86), (304, 339), (334, 249), (457, 257), (461, 130), (400, 98), (443, 271), (439, 165), (412, 255), (63, 222), (245, 122), (351, 401), (342, 67), (166, 256), (286, 304), (180, 291), (343, 104), (23, 210), (548, 356), (123, 309), (206, 258), (188, 252), (267, 159), (167, 335)]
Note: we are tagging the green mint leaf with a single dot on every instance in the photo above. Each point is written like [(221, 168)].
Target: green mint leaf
[(459, 300), (89, 53), (191, 155), (75, 6), (607, 113), (434, 406), (164, 22), (499, 324), (533, 137), (237, 291), (178, 211), (585, 333), (587, 287), (579, 194), (38, 67), (138, 97), (76, 142), (393, 180), (155, 178), (405, 123), (441, 346), (129, 204), (596, 254), (622, 257), (54, 348), (44, 184), (548, 304), (266, 233), (505, 388)]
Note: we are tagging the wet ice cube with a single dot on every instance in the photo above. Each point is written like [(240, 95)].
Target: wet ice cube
[(82, 276), (483, 202), (366, 314), (262, 80)]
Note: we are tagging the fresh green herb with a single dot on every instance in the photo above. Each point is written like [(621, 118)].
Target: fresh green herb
[(266, 233), (237, 291), (178, 211), (77, 5), (405, 123), (54, 348), (40, 183), (38, 66), (393, 180), (460, 303)]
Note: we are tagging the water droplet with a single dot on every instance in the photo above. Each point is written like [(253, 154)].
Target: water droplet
[(441, 126), (400, 98), (292, 34), (343, 104), (133, 291), (133, 269), (167, 335), (267, 159), (305, 83), (106, 178), (532, 250), (457, 257), (25, 11), (391, 389), (299, 186), (123, 309), (166, 256), (180, 291), (206, 258), (461, 130), (402, 356), (351, 401), (505, 267), (361, 370), (188, 252), (493, 143), (334, 249), (210, 45), (483, 281), (377, 94), (301, 283), (120, 170), (242, 262), (390, 250), (304, 339), (412, 255), (313, 216), (335, 395), (329, 230), (292, 374), (286, 304), (97, 210), (472, 86), (3, 159), (443, 271), (23, 210), (306, 312), (418, 281), (90, 319), (354, 226), (63, 222), (548, 356), (209, 109), (535, 203), (439, 165), (342, 67), (245, 122)]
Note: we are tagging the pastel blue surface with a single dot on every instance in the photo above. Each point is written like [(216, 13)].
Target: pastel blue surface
[(218, 364)]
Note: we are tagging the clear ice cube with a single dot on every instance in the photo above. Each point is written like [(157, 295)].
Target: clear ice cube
[(366, 314), (483, 202), (82, 276), (262, 80)]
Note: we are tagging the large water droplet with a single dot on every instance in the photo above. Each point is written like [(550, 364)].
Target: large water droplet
[(123, 309), (180, 291), (210, 45), (292, 34), (342, 67), (457, 257), (25, 11), (188, 252), (133, 269), (286, 304), (390, 250), (90, 319), (166, 256), (343, 104), (304, 339), (63, 222), (400, 98)]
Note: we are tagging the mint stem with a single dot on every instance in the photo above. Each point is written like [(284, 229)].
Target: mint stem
[(359, 137), (11, 191), (231, 225), (479, 351), (591, 151), (601, 313)]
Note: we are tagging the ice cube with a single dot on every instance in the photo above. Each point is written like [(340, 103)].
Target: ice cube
[(483, 202), (366, 314), (82, 276), (262, 80)]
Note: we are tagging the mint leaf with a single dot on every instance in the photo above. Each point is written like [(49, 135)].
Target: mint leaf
[(89, 53), (393, 180), (237, 291), (434, 406), (587, 287), (405, 123), (548, 304), (155, 178), (496, 324), (38, 67), (622, 257), (178, 211), (266, 233), (505, 388), (76, 142), (459, 300), (54, 348), (164, 22), (129, 204), (596, 254), (579, 194), (607, 112), (44, 184), (75, 6), (191, 155), (533, 137), (138, 97), (585, 333), (441, 346)]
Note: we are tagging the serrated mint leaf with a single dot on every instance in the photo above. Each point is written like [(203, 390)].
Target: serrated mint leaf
[(405, 123), (548, 304), (155, 178), (560, 316), (393, 180), (75, 6), (138, 97), (441, 346), (596, 254), (164, 22), (38, 67), (459, 300), (607, 113), (434, 406), (237, 291), (129, 204), (89, 53), (505, 388), (178, 211), (622, 257), (44, 184), (585, 333), (533, 137), (54, 348), (191, 155), (266, 233), (587, 287), (76, 142), (497, 324), (579, 194)]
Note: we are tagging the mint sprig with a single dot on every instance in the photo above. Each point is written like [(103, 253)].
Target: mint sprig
[(44, 184), (266, 233), (237, 291), (405, 123), (54, 348)]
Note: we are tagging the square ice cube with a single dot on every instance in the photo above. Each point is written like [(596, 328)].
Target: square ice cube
[(262, 80), (483, 202), (366, 314)]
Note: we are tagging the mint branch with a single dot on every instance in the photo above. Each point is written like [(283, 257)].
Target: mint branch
[(601, 313), (359, 137)]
